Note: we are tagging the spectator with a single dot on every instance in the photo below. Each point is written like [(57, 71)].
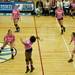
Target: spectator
[(52, 7), (38, 11), (47, 7), (59, 4), (72, 8), (39, 4), (66, 5)]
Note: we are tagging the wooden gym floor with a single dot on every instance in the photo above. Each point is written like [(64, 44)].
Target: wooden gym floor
[(50, 53)]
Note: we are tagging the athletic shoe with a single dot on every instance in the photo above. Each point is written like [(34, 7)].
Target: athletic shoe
[(27, 69), (32, 68), (70, 60)]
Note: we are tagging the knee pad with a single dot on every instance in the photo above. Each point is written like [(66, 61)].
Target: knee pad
[(16, 25), (30, 59), (26, 60), (61, 26)]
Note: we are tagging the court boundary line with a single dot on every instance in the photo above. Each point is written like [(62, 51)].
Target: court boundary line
[(64, 40), (42, 68), (10, 58), (36, 27)]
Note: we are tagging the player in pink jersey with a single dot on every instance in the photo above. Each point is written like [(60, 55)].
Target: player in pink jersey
[(16, 16), (59, 15), (72, 8), (28, 52), (73, 52), (9, 39)]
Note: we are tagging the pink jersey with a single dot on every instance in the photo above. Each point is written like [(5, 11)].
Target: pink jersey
[(73, 5), (9, 39), (15, 14), (28, 44), (59, 13)]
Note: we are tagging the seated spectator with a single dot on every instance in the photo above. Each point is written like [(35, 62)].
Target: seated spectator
[(66, 6), (72, 8), (38, 11), (39, 3), (47, 7), (39, 7), (52, 7), (59, 4)]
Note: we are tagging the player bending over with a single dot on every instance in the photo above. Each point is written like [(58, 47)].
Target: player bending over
[(9, 39)]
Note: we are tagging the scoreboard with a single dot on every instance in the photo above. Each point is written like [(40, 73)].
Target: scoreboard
[(23, 6)]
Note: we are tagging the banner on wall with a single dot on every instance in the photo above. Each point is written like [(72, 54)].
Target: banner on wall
[(23, 6), (6, 6)]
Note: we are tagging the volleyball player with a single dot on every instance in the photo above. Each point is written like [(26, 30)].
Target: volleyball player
[(16, 16), (28, 53), (59, 15), (73, 52), (9, 39)]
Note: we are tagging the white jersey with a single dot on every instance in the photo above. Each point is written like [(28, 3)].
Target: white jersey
[(47, 5), (66, 4), (60, 4)]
